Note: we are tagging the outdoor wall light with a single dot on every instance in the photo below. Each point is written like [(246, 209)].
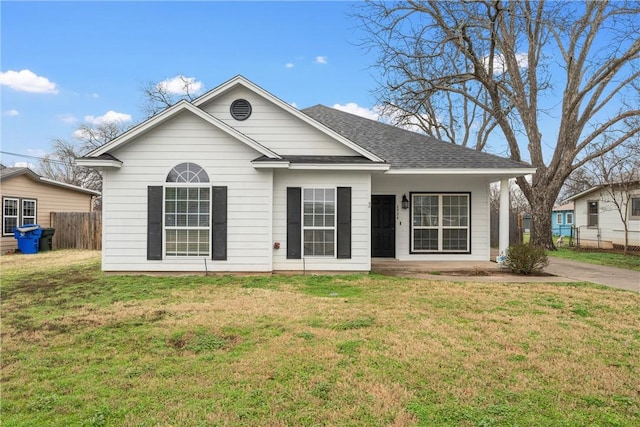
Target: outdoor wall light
[(405, 202)]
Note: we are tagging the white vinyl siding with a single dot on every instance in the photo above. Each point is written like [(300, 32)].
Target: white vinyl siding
[(360, 183), (275, 128), (147, 161)]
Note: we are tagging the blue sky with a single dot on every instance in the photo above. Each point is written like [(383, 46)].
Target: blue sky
[(64, 63)]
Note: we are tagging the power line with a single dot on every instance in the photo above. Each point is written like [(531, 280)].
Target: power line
[(44, 159)]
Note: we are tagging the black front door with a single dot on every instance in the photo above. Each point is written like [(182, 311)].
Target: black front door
[(383, 226)]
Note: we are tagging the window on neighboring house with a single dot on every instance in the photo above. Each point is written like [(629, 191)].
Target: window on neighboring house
[(319, 221), (28, 211), (559, 218), (635, 208), (17, 212), (592, 213), (440, 222), (187, 207), (569, 218)]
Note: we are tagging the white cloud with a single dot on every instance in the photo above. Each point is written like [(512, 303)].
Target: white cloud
[(94, 95), (294, 105), (289, 65), (67, 118), (321, 60), (499, 65), (11, 113), (354, 108), (108, 117), (24, 165), (177, 85), (27, 81)]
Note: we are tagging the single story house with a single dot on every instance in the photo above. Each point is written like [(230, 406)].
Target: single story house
[(28, 198), (562, 220), (597, 218), (239, 180)]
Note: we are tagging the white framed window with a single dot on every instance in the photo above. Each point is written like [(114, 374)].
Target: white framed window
[(9, 215), (17, 212), (319, 221), (569, 218), (635, 208), (28, 211), (559, 218), (187, 212), (592, 213), (440, 222)]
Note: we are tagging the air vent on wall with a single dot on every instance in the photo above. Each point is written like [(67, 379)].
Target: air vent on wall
[(240, 109)]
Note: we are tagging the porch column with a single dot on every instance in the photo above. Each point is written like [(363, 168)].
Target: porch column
[(503, 239)]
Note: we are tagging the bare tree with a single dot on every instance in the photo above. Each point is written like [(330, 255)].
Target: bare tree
[(159, 95), (60, 164), (523, 64)]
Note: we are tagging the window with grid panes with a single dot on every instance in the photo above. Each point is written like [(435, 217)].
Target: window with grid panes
[(319, 221), (187, 212), (440, 222)]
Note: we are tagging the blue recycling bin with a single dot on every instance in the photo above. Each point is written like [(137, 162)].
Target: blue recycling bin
[(28, 237)]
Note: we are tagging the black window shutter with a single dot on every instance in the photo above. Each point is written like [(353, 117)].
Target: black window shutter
[(154, 222), (294, 225), (344, 222), (219, 226)]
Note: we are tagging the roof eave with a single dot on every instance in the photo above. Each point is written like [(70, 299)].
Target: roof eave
[(321, 166), (506, 172), (98, 163)]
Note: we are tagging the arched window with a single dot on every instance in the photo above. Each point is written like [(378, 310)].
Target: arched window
[(187, 173), (187, 211)]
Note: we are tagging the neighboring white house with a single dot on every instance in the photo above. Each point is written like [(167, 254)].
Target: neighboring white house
[(598, 221), (239, 180)]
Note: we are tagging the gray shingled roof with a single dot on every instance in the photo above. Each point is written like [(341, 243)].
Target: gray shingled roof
[(404, 149)]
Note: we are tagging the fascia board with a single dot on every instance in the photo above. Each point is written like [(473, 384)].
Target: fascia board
[(513, 172), (98, 163), (345, 167), (239, 80), (69, 186), (319, 166)]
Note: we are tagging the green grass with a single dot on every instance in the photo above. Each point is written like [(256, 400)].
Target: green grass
[(610, 259), (80, 348)]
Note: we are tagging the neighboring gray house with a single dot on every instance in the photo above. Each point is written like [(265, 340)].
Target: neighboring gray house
[(597, 218), (239, 180)]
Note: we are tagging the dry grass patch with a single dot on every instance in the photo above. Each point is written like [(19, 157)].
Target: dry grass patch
[(300, 350)]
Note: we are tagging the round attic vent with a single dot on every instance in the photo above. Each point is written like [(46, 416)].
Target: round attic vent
[(240, 109)]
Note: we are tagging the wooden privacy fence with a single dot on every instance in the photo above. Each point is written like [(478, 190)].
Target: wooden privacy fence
[(77, 230)]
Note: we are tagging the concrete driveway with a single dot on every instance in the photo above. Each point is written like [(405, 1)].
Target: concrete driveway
[(609, 276)]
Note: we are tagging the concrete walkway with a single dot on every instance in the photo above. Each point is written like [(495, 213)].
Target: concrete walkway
[(561, 270), (609, 276)]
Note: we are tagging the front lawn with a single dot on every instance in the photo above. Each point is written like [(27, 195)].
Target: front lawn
[(81, 348), (608, 258)]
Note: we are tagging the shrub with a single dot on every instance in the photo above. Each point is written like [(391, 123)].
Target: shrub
[(526, 259)]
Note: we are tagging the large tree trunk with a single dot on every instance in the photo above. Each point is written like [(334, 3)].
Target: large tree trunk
[(541, 234)]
